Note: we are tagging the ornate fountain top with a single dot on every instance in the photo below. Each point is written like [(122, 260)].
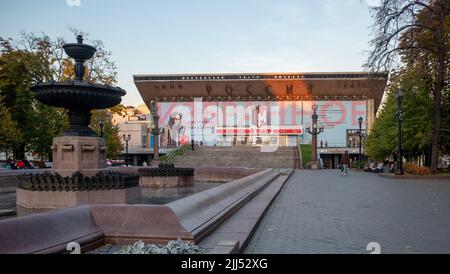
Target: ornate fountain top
[(80, 52), (78, 96), (80, 39)]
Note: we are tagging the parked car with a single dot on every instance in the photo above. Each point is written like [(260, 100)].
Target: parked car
[(115, 163)]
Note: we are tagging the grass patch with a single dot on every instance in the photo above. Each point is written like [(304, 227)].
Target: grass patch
[(306, 154), (170, 157)]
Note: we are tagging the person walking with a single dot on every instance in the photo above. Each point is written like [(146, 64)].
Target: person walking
[(345, 161)]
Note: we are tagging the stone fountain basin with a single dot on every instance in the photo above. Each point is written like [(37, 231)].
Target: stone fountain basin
[(77, 95), (79, 51)]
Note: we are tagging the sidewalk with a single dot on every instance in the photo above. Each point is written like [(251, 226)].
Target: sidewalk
[(325, 212)]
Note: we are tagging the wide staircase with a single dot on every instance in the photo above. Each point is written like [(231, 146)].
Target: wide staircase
[(242, 156)]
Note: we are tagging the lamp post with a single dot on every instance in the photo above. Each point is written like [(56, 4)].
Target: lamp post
[(192, 136), (126, 139), (360, 120), (155, 131), (399, 97), (101, 124), (314, 130)]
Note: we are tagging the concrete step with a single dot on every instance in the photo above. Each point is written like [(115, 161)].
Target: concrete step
[(248, 162), (245, 149), (251, 157), (240, 154)]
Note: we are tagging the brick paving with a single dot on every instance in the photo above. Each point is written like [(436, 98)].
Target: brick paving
[(325, 212)]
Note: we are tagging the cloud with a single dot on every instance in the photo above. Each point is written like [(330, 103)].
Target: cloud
[(373, 3), (73, 3)]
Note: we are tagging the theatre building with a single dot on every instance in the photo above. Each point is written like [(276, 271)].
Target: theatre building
[(257, 109)]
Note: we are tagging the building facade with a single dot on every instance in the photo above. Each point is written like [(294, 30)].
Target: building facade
[(255, 109)]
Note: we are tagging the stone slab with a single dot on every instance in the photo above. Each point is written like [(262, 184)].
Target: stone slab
[(62, 199), (415, 177), (163, 182), (50, 232), (128, 224)]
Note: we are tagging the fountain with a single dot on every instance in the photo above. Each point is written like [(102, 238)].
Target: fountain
[(79, 156)]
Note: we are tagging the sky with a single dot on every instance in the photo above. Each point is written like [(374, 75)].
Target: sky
[(206, 36)]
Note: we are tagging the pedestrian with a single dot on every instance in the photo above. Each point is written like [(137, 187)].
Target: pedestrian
[(345, 160)]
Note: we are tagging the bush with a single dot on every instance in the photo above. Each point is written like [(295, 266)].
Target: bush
[(173, 247), (414, 169), (358, 165)]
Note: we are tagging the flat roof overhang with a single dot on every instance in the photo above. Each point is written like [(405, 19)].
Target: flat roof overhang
[(262, 86)]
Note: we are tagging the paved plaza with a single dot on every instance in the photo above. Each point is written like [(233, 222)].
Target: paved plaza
[(325, 212)]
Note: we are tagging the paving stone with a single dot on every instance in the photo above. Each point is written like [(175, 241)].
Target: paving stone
[(325, 212)]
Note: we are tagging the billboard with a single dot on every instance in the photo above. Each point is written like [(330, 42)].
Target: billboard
[(209, 122)]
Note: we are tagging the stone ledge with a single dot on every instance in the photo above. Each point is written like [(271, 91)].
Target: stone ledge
[(127, 224), (62, 199), (50, 232), (223, 174), (201, 213), (226, 247), (7, 212), (166, 182), (415, 177)]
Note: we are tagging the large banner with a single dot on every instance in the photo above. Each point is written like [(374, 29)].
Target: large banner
[(209, 121)]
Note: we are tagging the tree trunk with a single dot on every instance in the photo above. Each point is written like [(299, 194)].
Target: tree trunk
[(428, 157), (19, 152), (438, 89)]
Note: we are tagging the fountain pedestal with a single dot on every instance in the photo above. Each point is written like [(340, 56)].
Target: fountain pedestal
[(74, 153)]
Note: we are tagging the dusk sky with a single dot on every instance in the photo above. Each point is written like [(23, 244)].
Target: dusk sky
[(206, 36)]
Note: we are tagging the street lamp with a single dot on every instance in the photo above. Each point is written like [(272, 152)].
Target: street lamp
[(399, 97), (360, 120), (101, 124), (126, 139), (314, 130), (155, 131)]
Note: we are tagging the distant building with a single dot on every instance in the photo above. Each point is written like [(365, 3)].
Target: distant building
[(273, 109), (139, 113)]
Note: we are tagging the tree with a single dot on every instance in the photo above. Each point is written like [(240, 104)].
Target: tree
[(415, 32), (418, 123), (17, 70), (111, 132), (10, 135), (49, 123)]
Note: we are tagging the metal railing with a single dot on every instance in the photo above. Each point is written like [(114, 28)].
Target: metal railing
[(169, 158)]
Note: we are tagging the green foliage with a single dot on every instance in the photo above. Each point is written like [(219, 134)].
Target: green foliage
[(358, 165), (48, 123), (111, 132), (417, 118), (306, 151), (169, 158), (18, 69), (10, 135)]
